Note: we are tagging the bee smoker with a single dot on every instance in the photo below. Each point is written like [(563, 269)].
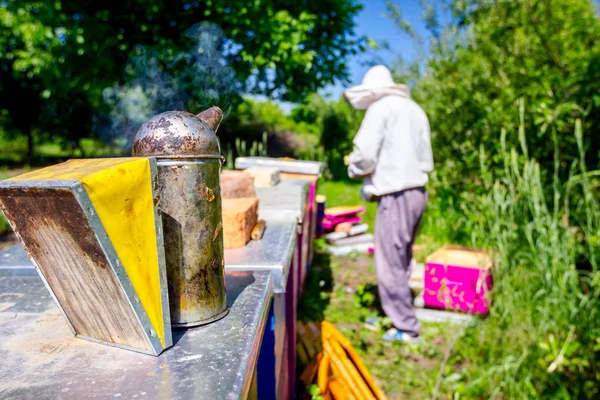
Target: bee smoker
[(189, 166)]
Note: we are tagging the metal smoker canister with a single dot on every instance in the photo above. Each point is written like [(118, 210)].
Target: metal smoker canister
[(189, 167)]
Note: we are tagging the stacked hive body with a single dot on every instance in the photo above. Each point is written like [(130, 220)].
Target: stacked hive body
[(92, 229), (342, 215), (346, 231)]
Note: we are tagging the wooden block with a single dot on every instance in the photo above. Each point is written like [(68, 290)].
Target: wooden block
[(92, 229), (343, 227), (237, 184), (239, 217), (264, 176), (258, 230)]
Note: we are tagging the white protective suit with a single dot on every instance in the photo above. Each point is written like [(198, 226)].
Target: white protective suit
[(392, 149)]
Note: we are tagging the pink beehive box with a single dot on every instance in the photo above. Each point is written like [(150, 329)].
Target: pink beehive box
[(330, 225), (458, 278), (337, 215)]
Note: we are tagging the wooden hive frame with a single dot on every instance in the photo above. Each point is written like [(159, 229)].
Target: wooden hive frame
[(93, 230)]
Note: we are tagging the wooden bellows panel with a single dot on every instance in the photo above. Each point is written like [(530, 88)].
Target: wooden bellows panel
[(59, 238), (91, 228)]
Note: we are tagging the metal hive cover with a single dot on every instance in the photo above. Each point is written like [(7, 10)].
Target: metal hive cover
[(92, 229), (284, 165)]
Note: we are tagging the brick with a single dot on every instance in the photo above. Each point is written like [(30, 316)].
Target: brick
[(237, 184), (239, 217)]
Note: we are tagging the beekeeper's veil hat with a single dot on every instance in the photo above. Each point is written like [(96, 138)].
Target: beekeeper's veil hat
[(377, 83)]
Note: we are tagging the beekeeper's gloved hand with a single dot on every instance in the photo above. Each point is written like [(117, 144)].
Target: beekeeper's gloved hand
[(346, 160)]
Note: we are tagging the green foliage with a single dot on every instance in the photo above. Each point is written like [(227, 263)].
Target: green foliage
[(57, 57), (542, 336), (315, 392), (496, 56), (336, 123), (315, 129), (364, 297), (4, 227), (256, 149)]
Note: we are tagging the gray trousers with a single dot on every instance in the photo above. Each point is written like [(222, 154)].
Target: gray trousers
[(398, 218)]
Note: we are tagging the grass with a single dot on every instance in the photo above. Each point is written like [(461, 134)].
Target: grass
[(334, 291), (343, 291), (13, 151), (441, 224), (542, 336)]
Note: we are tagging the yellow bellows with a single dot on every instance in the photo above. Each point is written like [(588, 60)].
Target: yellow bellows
[(93, 230)]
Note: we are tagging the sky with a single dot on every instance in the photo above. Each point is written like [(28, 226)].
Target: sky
[(373, 23)]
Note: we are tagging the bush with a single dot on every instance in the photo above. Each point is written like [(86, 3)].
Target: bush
[(4, 227), (542, 337)]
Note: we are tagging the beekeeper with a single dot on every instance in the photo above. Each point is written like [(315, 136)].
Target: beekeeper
[(392, 153)]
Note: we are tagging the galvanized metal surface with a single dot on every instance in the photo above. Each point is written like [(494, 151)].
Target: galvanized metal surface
[(189, 166), (14, 261), (294, 167), (285, 201), (42, 360), (192, 220), (274, 252)]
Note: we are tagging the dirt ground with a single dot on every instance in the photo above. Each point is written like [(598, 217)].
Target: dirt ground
[(343, 291)]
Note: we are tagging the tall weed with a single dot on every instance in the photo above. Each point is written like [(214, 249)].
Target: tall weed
[(542, 337), (256, 149)]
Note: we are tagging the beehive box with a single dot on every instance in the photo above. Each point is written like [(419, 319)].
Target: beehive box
[(458, 278), (264, 176), (91, 228)]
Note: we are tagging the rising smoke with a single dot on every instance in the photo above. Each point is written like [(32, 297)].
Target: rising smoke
[(194, 80)]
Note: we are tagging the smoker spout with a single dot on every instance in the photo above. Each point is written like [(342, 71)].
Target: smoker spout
[(212, 117)]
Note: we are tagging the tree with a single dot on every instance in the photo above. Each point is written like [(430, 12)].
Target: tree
[(335, 123), (497, 61), (57, 57)]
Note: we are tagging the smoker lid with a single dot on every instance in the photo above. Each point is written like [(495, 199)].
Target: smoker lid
[(180, 134)]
